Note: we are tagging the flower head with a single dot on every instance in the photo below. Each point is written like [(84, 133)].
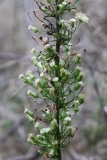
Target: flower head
[(82, 17), (55, 79)]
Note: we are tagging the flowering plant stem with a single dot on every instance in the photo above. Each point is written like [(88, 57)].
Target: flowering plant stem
[(57, 75), (60, 81)]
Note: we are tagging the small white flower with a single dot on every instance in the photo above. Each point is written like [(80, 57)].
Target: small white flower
[(37, 81), (26, 110), (79, 55), (76, 102), (54, 142), (81, 96), (42, 74), (55, 79), (33, 50), (30, 27), (60, 5), (47, 130), (72, 20), (61, 21), (48, 77), (30, 135), (82, 17), (80, 83), (39, 64), (29, 92), (52, 64), (33, 58), (47, 46), (43, 130), (51, 152), (54, 123), (28, 72), (82, 74), (21, 76), (68, 119), (79, 68), (37, 124), (64, 3)]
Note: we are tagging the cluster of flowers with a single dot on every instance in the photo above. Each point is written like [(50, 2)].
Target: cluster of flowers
[(59, 82)]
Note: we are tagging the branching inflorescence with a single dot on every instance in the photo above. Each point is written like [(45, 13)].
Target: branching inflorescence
[(60, 83)]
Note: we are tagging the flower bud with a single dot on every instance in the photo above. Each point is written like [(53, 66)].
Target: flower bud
[(72, 22), (56, 79), (30, 93), (33, 29), (31, 76), (54, 123), (51, 91), (78, 58), (34, 60), (67, 121), (78, 85), (81, 98), (35, 52), (44, 9), (81, 75), (31, 119), (31, 114)]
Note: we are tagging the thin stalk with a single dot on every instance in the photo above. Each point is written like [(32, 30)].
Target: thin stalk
[(57, 75)]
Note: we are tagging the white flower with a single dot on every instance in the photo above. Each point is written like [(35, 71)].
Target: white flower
[(47, 46), (82, 17), (39, 64), (68, 119), (61, 21), (79, 68), (72, 20), (80, 83), (81, 96), (43, 130), (54, 122), (33, 50), (29, 92), (37, 124), (52, 64), (76, 102), (28, 72), (37, 81), (26, 110), (33, 58), (51, 152), (82, 74), (64, 3), (30, 27), (30, 135), (60, 5), (21, 76), (48, 77), (54, 142), (42, 74), (55, 79), (47, 130)]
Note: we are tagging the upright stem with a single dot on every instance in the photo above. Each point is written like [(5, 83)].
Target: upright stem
[(57, 75)]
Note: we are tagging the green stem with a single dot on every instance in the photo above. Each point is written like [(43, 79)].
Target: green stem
[(57, 75)]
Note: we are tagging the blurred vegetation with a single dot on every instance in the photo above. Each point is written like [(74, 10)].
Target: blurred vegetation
[(90, 142)]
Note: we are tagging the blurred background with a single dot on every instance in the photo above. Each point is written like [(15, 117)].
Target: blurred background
[(90, 142)]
